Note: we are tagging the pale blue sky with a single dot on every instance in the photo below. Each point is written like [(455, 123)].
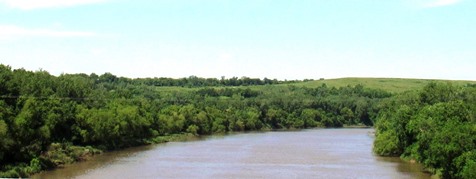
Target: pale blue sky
[(284, 39)]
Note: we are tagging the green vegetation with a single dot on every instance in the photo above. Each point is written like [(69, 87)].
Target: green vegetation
[(435, 126), (393, 85), (48, 121)]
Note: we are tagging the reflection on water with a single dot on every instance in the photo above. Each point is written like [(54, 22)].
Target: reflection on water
[(318, 153), (406, 167)]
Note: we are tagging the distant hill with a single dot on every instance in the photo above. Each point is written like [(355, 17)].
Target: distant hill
[(395, 85)]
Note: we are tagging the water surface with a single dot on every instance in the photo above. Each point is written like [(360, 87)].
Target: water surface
[(317, 153)]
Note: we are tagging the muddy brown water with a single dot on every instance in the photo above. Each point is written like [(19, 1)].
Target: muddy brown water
[(316, 153)]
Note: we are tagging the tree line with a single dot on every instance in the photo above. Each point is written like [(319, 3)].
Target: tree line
[(192, 81), (435, 126), (47, 120)]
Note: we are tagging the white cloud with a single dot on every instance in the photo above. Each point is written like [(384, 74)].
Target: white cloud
[(12, 31), (438, 3), (39, 4)]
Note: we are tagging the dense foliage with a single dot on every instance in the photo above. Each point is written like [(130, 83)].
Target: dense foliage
[(44, 119), (194, 81), (435, 126)]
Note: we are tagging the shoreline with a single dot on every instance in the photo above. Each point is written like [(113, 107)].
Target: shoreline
[(91, 152), (186, 137)]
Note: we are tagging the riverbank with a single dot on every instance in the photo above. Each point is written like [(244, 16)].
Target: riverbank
[(57, 155), (362, 126), (318, 153), (435, 174), (60, 154)]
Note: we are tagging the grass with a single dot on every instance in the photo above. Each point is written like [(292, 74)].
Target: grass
[(394, 85)]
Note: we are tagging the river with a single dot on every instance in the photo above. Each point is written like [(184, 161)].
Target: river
[(315, 153)]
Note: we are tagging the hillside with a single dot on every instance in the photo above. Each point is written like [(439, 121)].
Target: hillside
[(394, 85)]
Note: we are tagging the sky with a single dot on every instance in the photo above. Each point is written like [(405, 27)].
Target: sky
[(282, 39)]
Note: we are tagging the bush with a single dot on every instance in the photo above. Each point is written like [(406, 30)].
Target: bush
[(193, 129), (385, 144)]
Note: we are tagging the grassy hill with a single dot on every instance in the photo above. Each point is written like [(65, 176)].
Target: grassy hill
[(395, 85)]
